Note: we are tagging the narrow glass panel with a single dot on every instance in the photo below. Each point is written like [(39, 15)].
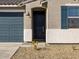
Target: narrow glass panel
[(73, 22)]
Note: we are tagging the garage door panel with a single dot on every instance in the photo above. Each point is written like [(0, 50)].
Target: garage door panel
[(11, 20), (11, 27), (11, 14)]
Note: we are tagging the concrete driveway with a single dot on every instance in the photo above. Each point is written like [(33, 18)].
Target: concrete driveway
[(7, 51)]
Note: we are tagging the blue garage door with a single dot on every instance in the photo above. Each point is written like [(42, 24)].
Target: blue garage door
[(11, 26)]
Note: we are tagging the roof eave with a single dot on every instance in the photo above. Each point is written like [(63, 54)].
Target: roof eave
[(19, 5), (25, 2)]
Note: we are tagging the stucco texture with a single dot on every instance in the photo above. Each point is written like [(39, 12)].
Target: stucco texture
[(54, 12)]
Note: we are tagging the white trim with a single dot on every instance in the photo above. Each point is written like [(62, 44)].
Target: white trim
[(46, 23), (27, 35), (46, 36), (15, 10), (73, 17), (69, 4), (62, 36), (47, 18), (11, 9), (9, 6)]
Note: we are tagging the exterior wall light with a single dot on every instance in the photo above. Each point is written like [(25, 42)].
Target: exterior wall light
[(28, 14)]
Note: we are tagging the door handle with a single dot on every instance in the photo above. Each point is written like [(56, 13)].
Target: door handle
[(43, 28)]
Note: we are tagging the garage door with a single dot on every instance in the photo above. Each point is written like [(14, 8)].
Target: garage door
[(11, 26)]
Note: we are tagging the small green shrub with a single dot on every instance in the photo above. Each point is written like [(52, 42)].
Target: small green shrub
[(35, 44)]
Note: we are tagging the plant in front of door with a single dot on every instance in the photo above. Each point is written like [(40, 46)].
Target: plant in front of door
[(35, 44)]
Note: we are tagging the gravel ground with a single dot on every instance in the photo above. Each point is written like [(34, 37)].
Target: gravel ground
[(48, 52)]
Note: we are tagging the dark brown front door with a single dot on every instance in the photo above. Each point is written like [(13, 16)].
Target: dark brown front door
[(39, 26)]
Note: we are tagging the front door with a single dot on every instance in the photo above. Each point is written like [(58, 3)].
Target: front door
[(39, 26)]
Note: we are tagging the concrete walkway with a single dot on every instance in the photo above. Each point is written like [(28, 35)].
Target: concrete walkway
[(7, 51)]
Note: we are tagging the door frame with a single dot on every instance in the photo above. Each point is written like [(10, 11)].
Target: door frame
[(38, 9)]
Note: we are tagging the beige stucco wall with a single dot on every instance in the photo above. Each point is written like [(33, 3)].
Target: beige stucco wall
[(54, 12)]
